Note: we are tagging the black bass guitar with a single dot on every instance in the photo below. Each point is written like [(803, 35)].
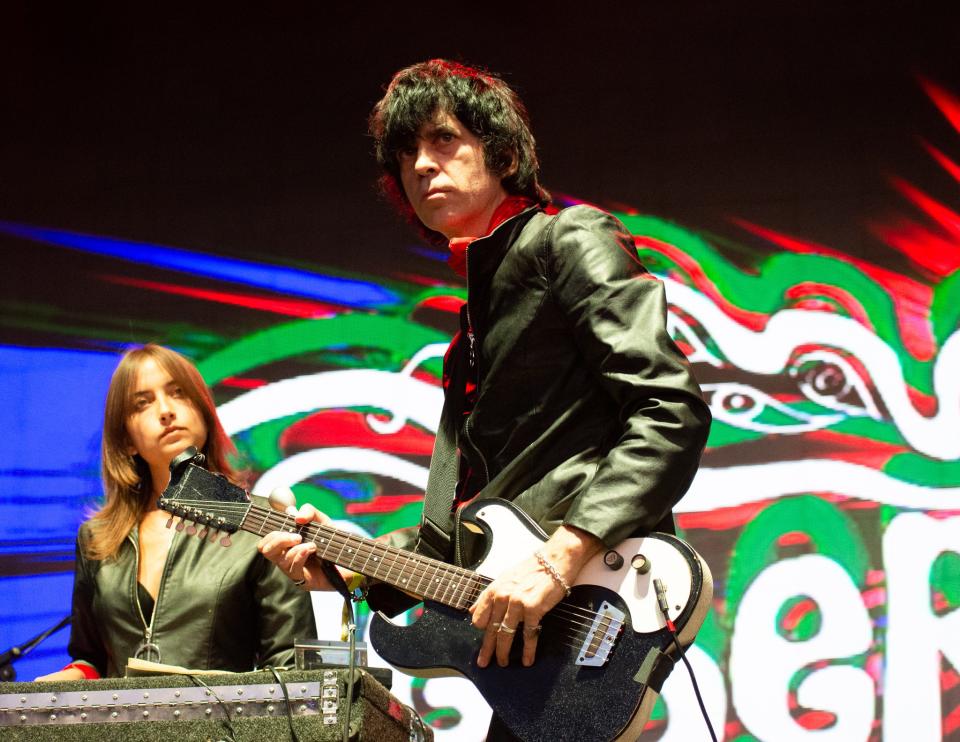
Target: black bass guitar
[(603, 652)]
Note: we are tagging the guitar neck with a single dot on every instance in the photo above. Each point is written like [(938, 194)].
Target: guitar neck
[(426, 578)]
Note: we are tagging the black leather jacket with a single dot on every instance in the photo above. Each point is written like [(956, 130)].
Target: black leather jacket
[(587, 413), (217, 608)]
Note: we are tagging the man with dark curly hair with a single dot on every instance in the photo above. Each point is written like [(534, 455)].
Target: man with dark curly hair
[(564, 393)]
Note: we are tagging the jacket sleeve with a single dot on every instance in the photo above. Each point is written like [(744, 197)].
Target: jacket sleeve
[(617, 315), (86, 644), (284, 614)]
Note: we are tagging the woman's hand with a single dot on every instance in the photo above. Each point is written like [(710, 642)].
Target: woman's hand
[(526, 592), (294, 558)]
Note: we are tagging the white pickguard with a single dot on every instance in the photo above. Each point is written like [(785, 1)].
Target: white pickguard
[(512, 541)]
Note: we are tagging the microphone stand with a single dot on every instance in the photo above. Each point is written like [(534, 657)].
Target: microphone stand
[(7, 673)]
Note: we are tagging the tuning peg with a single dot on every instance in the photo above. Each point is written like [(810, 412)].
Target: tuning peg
[(213, 535), (192, 529), (225, 541), (281, 498), (169, 521), (180, 524), (202, 533)]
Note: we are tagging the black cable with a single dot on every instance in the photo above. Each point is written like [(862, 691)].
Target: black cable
[(696, 688), (286, 697), (231, 732), (661, 591)]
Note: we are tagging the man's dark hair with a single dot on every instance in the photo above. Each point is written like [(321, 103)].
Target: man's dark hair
[(482, 102)]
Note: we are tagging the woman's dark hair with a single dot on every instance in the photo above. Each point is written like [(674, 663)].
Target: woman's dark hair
[(482, 102)]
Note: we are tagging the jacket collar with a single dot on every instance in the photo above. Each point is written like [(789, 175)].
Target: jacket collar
[(485, 253)]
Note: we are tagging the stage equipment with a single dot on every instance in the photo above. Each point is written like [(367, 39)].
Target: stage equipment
[(246, 707)]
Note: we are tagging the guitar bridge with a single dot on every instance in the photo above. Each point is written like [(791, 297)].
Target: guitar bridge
[(601, 637)]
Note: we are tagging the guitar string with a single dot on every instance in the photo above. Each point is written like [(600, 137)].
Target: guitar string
[(336, 537), (342, 539), (567, 634)]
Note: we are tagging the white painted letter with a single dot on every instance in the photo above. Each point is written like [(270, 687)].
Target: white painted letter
[(763, 663)]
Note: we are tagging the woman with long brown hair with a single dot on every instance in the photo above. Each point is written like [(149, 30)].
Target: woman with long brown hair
[(147, 591)]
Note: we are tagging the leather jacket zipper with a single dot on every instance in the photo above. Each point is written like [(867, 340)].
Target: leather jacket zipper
[(473, 357), (148, 628)]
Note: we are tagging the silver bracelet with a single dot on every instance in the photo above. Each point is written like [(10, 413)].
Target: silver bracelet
[(552, 571)]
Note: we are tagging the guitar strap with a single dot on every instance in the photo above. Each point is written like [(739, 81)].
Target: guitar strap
[(437, 523)]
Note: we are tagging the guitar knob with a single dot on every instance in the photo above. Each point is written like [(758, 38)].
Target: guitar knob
[(613, 560), (281, 498), (640, 563)]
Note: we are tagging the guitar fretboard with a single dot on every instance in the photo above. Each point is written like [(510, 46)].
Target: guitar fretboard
[(422, 576)]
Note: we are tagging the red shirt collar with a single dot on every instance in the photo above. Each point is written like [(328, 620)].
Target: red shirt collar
[(509, 207)]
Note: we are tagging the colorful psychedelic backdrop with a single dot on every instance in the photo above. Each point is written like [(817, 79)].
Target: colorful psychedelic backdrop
[(828, 504)]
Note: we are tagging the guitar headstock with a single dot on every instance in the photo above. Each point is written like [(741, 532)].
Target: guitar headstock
[(201, 498)]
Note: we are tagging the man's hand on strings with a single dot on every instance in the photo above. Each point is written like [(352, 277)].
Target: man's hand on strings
[(294, 557), (515, 603)]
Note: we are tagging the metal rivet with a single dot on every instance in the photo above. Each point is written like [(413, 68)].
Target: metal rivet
[(271, 689), (176, 693), (270, 709), (53, 699), (146, 694), (303, 689), (208, 711), (23, 699), (303, 707), (83, 697), (23, 718), (177, 713), (239, 709), (115, 696), (53, 717), (83, 716), (239, 691), (146, 714), (206, 693), (113, 715)]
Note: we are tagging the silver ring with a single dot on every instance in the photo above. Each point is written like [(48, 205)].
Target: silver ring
[(301, 582), (506, 629), (532, 630), (496, 625)]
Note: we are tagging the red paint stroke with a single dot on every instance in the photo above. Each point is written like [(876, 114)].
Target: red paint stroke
[(948, 104), (853, 449), (450, 304), (948, 680), (930, 252), (722, 519), (806, 293), (239, 383), (382, 504), (793, 538), (911, 299), (925, 404), (425, 376), (332, 428), (756, 321), (951, 722), (945, 162), (288, 307), (420, 280), (942, 215), (875, 597), (816, 719), (797, 612)]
